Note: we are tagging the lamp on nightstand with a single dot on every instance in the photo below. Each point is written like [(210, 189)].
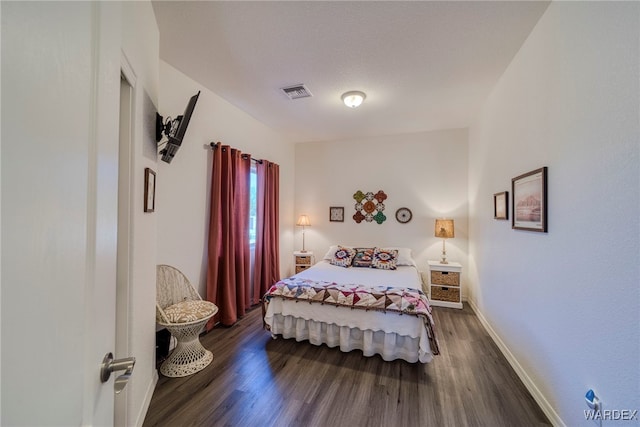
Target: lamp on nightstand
[(444, 230), (303, 221)]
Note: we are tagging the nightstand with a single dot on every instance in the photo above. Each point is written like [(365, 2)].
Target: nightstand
[(444, 284), (303, 260)]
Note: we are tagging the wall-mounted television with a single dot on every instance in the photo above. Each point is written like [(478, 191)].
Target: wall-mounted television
[(174, 130)]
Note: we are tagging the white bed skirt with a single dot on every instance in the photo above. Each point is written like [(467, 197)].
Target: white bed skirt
[(389, 345)]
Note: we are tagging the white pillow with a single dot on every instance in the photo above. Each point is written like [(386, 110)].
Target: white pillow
[(404, 256), (332, 250)]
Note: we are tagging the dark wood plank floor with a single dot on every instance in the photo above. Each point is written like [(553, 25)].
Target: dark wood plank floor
[(256, 381)]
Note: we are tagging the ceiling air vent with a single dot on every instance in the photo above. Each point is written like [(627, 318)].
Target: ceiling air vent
[(297, 91)]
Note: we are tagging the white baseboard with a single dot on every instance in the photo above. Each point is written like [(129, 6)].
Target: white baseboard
[(147, 399), (522, 374)]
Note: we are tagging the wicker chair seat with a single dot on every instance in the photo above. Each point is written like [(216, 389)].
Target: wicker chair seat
[(188, 311)]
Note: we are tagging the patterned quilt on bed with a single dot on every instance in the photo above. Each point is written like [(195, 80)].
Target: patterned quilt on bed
[(380, 298)]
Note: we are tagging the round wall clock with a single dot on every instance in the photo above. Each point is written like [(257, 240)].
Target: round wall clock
[(403, 215)]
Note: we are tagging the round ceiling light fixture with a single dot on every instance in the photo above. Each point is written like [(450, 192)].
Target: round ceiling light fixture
[(353, 99)]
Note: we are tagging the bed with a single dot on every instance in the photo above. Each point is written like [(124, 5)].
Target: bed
[(347, 300)]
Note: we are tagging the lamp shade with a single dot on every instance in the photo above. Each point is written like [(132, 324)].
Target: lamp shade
[(444, 228), (353, 99), (303, 220)]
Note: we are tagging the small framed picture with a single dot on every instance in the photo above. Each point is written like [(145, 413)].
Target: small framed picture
[(530, 201), (336, 214), (501, 205), (149, 190)]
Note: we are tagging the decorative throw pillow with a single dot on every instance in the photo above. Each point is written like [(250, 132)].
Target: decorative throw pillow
[(363, 257), (343, 256), (385, 259)]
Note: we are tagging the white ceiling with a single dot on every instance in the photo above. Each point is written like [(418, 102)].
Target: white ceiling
[(424, 65)]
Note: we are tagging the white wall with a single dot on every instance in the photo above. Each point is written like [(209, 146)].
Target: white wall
[(182, 204), (426, 172), (140, 46), (565, 304)]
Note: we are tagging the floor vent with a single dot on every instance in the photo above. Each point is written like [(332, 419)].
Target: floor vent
[(296, 92)]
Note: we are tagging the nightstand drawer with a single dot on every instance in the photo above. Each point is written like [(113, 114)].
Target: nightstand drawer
[(443, 293), (300, 268), (447, 278), (303, 259)]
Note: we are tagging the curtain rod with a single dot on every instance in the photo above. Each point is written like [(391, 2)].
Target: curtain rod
[(215, 145)]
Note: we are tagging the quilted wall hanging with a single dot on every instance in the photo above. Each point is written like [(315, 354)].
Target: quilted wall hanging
[(369, 207)]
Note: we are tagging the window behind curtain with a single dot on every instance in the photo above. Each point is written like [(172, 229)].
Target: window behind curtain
[(253, 213)]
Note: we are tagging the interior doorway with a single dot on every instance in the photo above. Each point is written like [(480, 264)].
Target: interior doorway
[(123, 269)]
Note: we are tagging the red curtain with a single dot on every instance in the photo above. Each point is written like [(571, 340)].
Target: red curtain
[(267, 253), (228, 284)]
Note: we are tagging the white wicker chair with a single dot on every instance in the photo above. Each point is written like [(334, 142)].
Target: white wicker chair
[(182, 311)]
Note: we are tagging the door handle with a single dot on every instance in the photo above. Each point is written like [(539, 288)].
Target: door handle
[(110, 365)]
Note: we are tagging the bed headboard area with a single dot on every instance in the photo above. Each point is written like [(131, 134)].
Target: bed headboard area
[(425, 173)]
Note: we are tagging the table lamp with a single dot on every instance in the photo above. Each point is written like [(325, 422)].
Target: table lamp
[(303, 221), (444, 230)]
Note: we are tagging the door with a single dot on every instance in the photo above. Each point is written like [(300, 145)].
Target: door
[(60, 91), (98, 405)]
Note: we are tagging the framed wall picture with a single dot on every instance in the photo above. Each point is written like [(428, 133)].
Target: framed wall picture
[(501, 205), (149, 190), (530, 201), (336, 214)]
